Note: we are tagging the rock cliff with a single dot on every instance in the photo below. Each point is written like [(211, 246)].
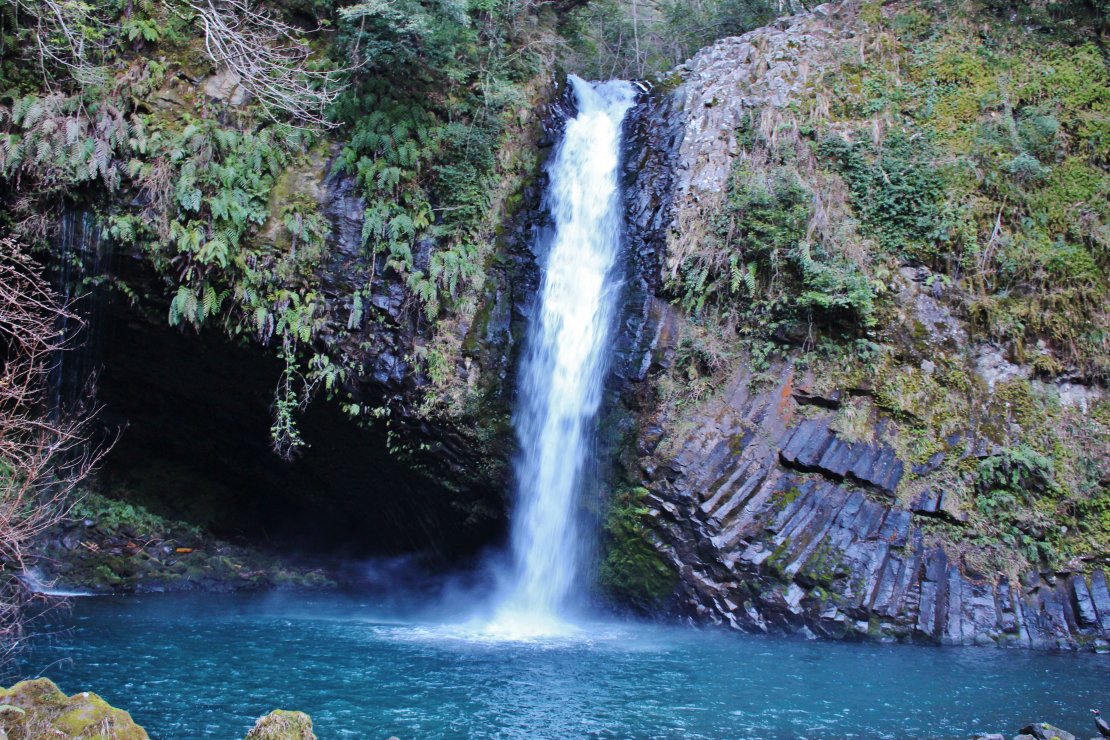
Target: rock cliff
[(795, 496)]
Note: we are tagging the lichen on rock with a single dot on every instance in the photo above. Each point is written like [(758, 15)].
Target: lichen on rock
[(37, 708), (282, 724)]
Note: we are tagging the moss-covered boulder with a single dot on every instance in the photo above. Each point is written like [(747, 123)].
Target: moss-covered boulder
[(37, 708), (282, 725)]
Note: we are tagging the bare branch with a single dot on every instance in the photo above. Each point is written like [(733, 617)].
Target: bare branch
[(270, 58), (70, 34), (41, 460)]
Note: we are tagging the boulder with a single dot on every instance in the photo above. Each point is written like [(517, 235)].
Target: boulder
[(1045, 731), (37, 708), (282, 725), (226, 87)]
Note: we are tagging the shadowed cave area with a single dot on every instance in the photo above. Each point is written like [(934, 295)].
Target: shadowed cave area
[(193, 414)]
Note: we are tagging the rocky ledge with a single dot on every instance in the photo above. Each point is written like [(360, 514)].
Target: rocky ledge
[(115, 547)]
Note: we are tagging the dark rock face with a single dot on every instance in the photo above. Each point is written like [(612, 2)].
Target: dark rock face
[(415, 481), (773, 521), (812, 446), (762, 545), (464, 453)]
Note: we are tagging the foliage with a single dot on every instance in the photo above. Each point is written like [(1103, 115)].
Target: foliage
[(1008, 486), (424, 154), (196, 184), (645, 38), (761, 269), (996, 172), (895, 190), (114, 517)]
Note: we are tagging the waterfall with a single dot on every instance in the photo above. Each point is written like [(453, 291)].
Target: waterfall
[(82, 261), (562, 373)]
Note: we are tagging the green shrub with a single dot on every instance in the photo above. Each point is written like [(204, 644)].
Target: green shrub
[(760, 268), (1009, 487), (896, 190)]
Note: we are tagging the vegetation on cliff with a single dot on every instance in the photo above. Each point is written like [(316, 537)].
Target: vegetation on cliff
[(631, 570), (952, 156), (179, 124)]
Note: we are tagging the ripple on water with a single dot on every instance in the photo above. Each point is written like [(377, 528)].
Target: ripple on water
[(197, 666)]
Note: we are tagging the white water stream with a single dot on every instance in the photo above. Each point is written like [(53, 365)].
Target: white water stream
[(563, 370)]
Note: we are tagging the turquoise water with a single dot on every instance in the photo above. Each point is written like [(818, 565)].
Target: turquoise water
[(205, 665)]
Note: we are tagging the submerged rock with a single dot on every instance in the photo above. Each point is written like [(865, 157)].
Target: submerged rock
[(38, 709), (281, 724)]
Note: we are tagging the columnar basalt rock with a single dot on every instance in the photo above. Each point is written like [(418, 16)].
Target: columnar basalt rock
[(763, 546), (773, 520)]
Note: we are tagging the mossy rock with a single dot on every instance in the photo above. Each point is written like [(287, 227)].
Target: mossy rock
[(281, 724), (633, 570), (37, 708)]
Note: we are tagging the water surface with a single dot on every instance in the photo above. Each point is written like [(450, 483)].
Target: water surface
[(205, 665)]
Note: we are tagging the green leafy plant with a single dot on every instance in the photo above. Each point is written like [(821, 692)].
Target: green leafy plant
[(1008, 488)]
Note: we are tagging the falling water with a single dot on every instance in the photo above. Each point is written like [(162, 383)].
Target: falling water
[(562, 372), (83, 259)]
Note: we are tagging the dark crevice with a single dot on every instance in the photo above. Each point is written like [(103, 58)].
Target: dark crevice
[(193, 416)]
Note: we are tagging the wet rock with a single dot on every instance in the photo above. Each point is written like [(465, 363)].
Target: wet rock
[(38, 709), (1045, 731), (282, 725)]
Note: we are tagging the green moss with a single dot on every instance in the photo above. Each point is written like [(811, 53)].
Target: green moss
[(281, 724), (775, 565), (40, 709), (632, 569), (823, 568)]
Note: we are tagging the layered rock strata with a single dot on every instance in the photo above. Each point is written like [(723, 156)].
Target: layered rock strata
[(762, 543), (773, 520)]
